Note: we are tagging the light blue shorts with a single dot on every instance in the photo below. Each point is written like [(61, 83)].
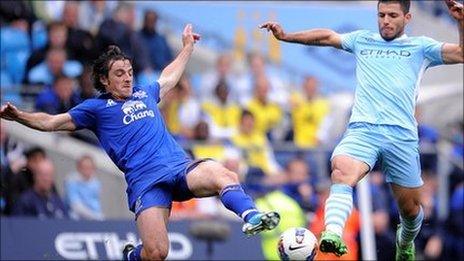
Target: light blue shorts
[(396, 149)]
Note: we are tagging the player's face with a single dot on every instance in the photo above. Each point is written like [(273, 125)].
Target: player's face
[(120, 78), (391, 20)]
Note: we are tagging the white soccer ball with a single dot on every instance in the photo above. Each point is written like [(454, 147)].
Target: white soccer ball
[(297, 243)]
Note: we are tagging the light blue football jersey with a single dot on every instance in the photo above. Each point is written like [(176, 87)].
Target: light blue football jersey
[(388, 76)]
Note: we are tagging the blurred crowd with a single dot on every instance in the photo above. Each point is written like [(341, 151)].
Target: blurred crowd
[(235, 118)]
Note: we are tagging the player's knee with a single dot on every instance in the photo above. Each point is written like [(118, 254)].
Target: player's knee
[(410, 208), (232, 176), (157, 253), (340, 177)]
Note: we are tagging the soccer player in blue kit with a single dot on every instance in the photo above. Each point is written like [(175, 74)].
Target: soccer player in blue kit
[(382, 126), (130, 128)]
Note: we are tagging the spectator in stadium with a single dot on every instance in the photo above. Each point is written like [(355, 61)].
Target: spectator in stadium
[(244, 84), (83, 190), (308, 114), (268, 197), (455, 225), (299, 185), (382, 126), (17, 10), (255, 145), (221, 74), (428, 139), (57, 35), (430, 239), (119, 30), (41, 200), (128, 123), (21, 180), (384, 236), (456, 175), (86, 89), (221, 112), (267, 114), (160, 52), (80, 42), (181, 110), (58, 98), (56, 64), (15, 48), (11, 161), (93, 13)]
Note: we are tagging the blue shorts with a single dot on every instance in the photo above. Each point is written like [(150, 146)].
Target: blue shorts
[(396, 149), (162, 194)]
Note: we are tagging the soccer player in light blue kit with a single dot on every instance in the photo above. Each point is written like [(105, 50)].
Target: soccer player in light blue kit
[(382, 125), (130, 128)]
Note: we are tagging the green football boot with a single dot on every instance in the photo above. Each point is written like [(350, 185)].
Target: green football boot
[(406, 253), (332, 243)]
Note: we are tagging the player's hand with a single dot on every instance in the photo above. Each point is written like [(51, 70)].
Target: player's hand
[(9, 112), (456, 10), (276, 29), (189, 37)]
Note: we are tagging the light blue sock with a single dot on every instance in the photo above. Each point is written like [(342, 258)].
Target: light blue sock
[(410, 228), (236, 200), (338, 208), (135, 255)]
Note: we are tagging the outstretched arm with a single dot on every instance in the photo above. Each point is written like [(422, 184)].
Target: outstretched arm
[(38, 120), (453, 53), (319, 37), (172, 73)]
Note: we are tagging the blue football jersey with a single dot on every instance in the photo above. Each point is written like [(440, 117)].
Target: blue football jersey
[(134, 135), (388, 75)]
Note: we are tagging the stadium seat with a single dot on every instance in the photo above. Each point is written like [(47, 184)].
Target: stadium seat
[(14, 50)]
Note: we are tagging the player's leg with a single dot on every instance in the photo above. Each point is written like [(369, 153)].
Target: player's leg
[(210, 178), (152, 227), (402, 168), (152, 212), (346, 172), (353, 157), (411, 217)]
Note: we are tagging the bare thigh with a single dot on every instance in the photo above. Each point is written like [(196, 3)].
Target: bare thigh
[(408, 199), (209, 178), (152, 227), (348, 170)]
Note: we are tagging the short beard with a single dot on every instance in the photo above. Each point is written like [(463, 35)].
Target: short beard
[(389, 39), (392, 38)]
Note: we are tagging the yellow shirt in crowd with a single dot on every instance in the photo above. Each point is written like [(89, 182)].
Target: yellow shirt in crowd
[(267, 116), (223, 116), (255, 149), (307, 117)]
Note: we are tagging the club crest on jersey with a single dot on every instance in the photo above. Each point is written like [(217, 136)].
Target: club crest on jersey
[(135, 110), (110, 103), (140, 94)]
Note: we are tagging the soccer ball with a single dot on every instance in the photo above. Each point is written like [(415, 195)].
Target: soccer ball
[(297, 243)]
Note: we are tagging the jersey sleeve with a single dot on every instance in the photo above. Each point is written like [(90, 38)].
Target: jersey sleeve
[(349, 40), (432, 51), (83, 115), (154, 89)]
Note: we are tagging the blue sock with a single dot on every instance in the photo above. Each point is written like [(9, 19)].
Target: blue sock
[(410, 228), (135, 255), (338, 208), (236, 200)]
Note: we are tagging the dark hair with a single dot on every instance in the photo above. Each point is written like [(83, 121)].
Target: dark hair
[(102, 65), (31, 152), (405, 4), (55, 24), (245, 113)]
